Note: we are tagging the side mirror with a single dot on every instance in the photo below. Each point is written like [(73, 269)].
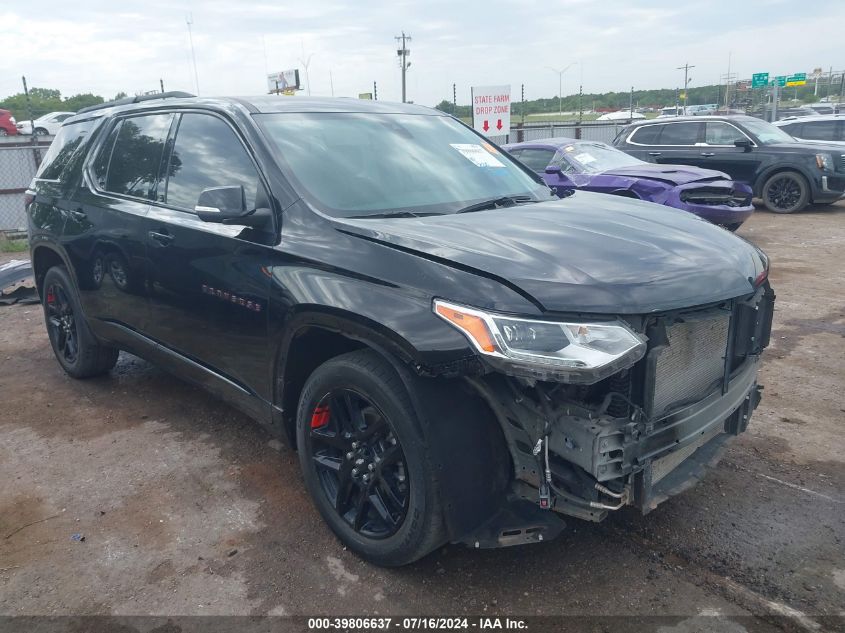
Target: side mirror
[(561, 183), (744, 143), (222, 204)]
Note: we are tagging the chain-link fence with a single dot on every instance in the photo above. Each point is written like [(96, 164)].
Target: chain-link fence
[(19, 160), (603, 131)]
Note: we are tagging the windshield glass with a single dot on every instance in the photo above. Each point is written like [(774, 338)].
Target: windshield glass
[(767, 133), (352, 164), (592, 158)]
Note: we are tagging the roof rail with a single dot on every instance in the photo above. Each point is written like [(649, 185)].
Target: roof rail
[(175, 94)]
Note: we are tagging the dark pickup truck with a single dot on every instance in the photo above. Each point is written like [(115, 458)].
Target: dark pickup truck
[(456, 354)]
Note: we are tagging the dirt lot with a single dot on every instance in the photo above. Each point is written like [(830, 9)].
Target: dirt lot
[(187, 507)]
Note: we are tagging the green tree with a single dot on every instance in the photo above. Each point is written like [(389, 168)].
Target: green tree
[(77, 102)]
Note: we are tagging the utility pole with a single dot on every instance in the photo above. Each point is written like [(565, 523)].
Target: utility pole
[(402, 52), (454, 99), (686, 68), (331, 81), (631, 104), (580, 106), (189, 20), (161, 83), (375, 91)]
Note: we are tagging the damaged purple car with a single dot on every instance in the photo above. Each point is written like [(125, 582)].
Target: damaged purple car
[(566, 164)]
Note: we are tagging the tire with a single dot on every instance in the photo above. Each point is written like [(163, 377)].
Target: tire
[(3, 132), (75, 347), (358, 473), (40, 131), (786, 192)]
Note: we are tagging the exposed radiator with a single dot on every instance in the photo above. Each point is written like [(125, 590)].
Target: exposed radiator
[(692, 364)]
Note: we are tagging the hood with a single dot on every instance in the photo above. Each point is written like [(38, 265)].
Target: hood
[(670, 174), (585, 253), (807, 146)]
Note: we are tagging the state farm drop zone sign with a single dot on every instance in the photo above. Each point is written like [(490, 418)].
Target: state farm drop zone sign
[(491, 110)]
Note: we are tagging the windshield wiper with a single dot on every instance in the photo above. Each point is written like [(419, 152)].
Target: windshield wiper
[(391, 214), (502, 201)]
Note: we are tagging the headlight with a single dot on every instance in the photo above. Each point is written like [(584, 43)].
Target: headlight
[(577, 352), (824, 162)]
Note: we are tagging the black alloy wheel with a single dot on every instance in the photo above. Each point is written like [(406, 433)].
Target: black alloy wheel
[(61, 323), (365, 461), (360, 463), (785, 192), (76, 348)]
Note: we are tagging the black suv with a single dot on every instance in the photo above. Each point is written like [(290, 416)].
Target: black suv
[(786, 174), (456, 354)]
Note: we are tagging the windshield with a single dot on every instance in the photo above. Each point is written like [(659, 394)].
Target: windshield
[(767, 133), (592, 158), (354, 164)]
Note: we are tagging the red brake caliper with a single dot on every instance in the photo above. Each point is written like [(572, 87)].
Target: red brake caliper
[(320, 417)]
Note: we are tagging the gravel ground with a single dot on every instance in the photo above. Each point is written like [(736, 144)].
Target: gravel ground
[(188, 507)]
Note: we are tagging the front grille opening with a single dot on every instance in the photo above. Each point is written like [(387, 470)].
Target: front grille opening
[(715, 196), (692, 363)]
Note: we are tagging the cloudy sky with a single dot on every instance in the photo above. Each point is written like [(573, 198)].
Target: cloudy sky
[(126, 45)]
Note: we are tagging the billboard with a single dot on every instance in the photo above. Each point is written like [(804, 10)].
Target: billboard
[(284, 80)]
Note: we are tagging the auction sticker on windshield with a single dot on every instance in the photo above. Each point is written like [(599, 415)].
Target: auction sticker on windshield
[(477, 154)]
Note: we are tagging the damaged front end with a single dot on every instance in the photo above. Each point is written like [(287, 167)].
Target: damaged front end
[(636, 436)]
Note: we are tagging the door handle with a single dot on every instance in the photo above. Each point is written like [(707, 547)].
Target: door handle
[(655, 153), (708, 153), (162, 239)]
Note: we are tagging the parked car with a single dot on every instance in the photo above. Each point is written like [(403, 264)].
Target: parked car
[(621, 115), (567, 164), (824, 108), (670, 112), (826, 128), (47, 125), (7, 124), (786, 174), (457, 354), (698, 110)]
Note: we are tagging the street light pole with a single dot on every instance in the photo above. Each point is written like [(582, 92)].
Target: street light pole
[(560, 86)]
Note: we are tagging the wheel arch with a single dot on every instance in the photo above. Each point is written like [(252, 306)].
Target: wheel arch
[(314, 336), (757, 189), (45, 256)]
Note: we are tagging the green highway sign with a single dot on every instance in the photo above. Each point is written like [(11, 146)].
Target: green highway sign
[(781, 81), (759, 80), (798, 79)]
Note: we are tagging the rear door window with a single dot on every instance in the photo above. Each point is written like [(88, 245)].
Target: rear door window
[(793, 129), (684, 133), (130, 166), (207, 153), (66, 151)]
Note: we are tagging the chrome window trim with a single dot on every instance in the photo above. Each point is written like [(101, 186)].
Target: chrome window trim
[(628, 140)]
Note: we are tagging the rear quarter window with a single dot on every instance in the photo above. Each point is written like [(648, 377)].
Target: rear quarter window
[(66, 151), (646, 135)]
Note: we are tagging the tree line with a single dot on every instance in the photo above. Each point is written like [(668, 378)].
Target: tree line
[(46, 100), (664, 97)]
